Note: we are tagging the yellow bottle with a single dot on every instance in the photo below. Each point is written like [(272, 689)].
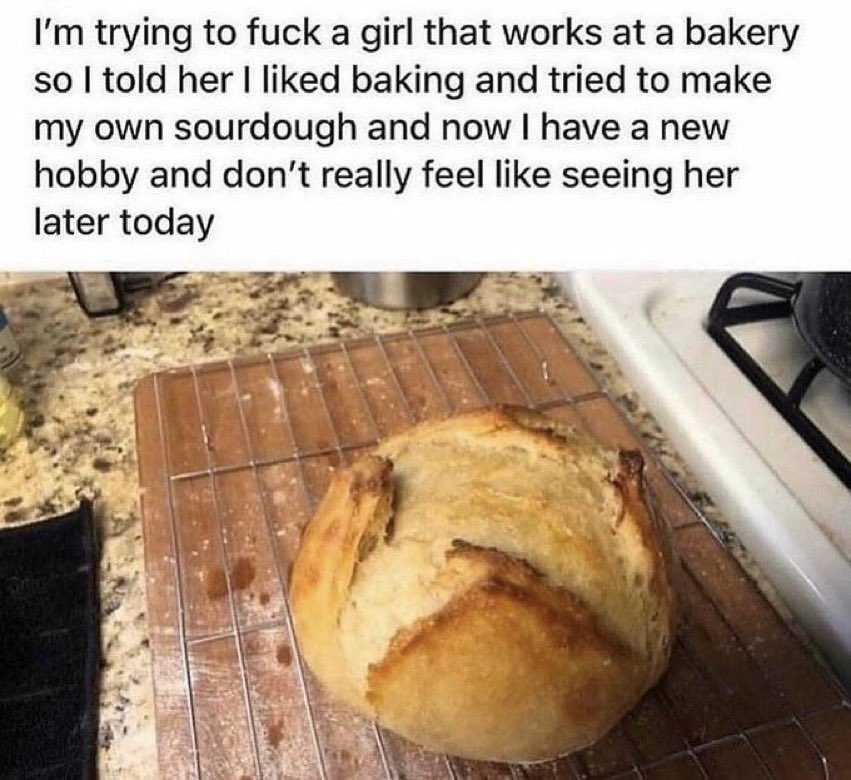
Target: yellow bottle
[(11, 414)]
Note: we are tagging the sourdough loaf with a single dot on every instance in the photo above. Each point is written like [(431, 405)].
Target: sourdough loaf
[(493, 585)]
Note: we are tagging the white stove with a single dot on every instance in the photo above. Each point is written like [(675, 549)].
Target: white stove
[(789, 509)]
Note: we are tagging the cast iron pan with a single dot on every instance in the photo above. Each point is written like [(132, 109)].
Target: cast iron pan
[(821, 309)]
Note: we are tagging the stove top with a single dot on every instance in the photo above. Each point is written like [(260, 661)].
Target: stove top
[(789, 508), (764, 339), (783, 354)]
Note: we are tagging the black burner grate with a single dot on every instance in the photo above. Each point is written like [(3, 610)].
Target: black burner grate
[(788, 403)]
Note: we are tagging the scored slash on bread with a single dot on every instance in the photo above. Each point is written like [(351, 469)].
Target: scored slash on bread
[(492, 585)]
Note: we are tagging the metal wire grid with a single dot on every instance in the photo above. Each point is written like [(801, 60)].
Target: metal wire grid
[(574, 763)]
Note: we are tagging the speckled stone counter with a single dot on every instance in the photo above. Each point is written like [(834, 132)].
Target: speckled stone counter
[(78, 376)]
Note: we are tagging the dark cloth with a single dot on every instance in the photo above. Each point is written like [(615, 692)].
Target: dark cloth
[(49, 648)]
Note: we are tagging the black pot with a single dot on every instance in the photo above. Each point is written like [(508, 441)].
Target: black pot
[(821, 308)]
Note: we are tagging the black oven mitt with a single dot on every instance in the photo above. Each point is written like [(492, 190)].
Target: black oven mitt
[(49, 648)]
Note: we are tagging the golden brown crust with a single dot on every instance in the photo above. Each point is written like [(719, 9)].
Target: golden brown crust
[(348, 522), (562, 612), (656, 538), (515, 603)]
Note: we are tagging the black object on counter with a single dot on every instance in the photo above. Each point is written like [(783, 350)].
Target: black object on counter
[(101, 294), (49, 648), (820, 305)]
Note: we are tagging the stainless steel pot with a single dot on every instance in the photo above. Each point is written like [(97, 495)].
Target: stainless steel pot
[(405, 290)]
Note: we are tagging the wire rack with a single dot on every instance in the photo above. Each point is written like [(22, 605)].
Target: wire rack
[(233, 458)]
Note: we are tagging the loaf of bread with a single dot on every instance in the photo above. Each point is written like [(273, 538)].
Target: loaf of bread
[(493, 586)]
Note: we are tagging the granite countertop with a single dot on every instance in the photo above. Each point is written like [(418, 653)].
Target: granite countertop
[(77, 378)]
